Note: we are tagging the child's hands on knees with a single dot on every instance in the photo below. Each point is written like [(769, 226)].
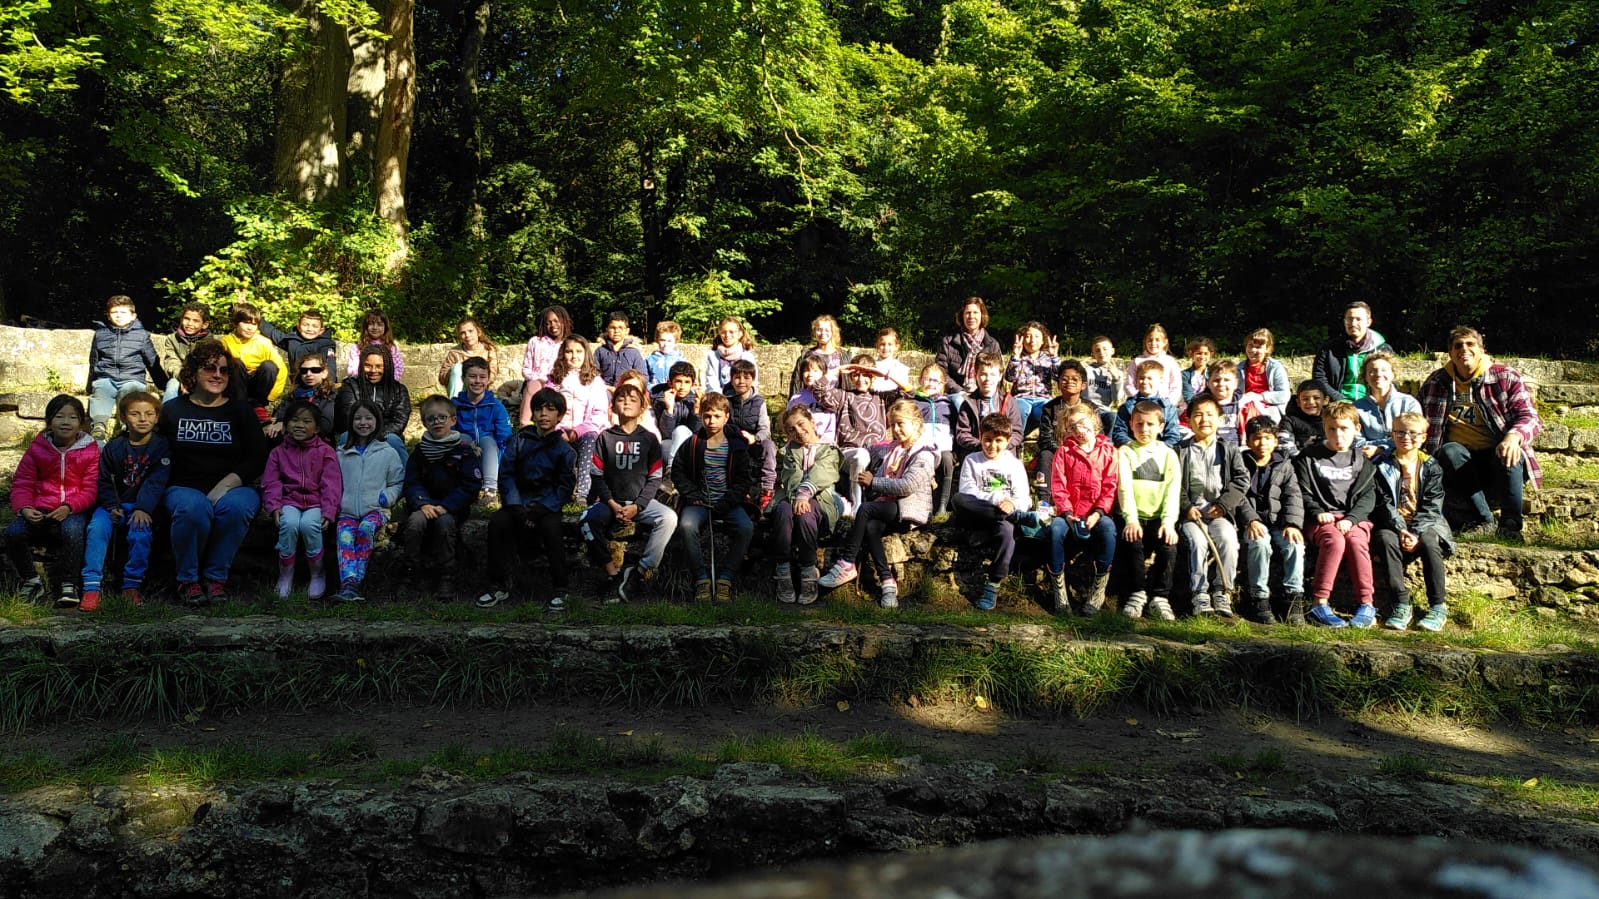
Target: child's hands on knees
[(1168, 535), (1257, 531), (1133, 532), (1294, 535)]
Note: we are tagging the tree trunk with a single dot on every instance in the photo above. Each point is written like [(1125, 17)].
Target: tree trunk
[(474, 31), (398, 115), (307, 163)]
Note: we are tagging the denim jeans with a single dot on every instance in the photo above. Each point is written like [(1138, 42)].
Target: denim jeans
[(104, 394), (598, 521), (1101, 544), (66, 564), (1204, 577), (1257, 563), (299, 527), (100, 534), (693, 519), (1475, 472), (205, 537), (490, 460)]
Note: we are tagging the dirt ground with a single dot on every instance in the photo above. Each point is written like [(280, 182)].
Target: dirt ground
[(1330, 748)]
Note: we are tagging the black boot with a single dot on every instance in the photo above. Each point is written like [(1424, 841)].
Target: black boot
[(1296, 610), (1260, 610)]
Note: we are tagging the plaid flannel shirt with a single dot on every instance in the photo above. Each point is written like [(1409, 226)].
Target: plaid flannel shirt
[(1504, 397)]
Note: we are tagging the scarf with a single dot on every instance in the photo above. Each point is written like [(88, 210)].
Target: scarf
[(433, 449), (974, 345)]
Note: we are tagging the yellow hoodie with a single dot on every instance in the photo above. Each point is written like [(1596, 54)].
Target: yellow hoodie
[(251, 353)]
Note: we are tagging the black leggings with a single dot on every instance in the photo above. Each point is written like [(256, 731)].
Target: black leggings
[(872, 521), (1158, 582)]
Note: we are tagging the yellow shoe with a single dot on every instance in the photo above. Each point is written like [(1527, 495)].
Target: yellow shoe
[(702, 590)]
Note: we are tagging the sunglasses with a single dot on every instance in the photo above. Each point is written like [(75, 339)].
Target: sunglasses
[(312, 371), (220, 368)]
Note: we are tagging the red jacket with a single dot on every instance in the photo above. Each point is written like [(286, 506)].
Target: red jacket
[(49, 476), (1084, 480)]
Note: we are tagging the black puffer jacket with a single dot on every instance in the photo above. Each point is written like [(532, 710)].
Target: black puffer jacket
[(387, 394)]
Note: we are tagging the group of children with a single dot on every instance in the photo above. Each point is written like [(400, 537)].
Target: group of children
[(1132, 463)]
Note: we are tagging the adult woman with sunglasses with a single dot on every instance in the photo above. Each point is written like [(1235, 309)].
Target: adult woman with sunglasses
[(313, 382), (217, 452)]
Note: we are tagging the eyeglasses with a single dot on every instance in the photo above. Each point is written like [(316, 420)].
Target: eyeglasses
[(437, 419), (1411, 435), (312, 371), (220, 368)]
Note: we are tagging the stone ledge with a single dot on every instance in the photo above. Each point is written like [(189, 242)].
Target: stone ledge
[(441, 836)]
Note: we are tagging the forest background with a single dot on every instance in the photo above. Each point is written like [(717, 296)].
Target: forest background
[(1096, 164)]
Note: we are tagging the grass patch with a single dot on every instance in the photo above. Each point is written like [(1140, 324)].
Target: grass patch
[(868, 754), (1578, 800), (1558, 471), (1406, 767), (1263, 764)]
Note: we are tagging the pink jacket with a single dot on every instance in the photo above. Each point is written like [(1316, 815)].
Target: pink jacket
[(588, 406), (304, 476), (539, 358), (48, 476), (1084, 480)]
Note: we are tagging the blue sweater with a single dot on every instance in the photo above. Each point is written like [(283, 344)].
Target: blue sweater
[(487, 418)]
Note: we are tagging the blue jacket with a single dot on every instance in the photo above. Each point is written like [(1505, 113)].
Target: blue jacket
[(537, 470), (658, 367), (1121, 432), (484, 419), (134, 474), (612, 362), (123, 354), (452, 482)]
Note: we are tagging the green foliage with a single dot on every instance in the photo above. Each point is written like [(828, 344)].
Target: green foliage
[(28, 65), (699, 304), (292, 256)]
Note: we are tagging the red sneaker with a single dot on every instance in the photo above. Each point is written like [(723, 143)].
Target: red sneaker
[(90, 601), (215, 593), (132, 596), (190, 593)]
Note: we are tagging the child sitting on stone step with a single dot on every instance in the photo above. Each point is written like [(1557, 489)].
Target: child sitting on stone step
[(374, 478), (993, 496), (712, 473), (1339, 487), (1148, 487), (300, 489), (804, 508), (134, 467), (1214, 486), (899, 484), (442, 480), (1409, 522), (1272, 515), (537, 473), (627, 472)]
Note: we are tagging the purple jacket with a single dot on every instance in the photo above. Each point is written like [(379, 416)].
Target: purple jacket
[(1504, 397), (304, 476)]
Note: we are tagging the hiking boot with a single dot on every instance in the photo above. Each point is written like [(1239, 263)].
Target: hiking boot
[(1364, 617), (491, 598), (1133, 605), (783, 579), (132, 596), (1400, 619), (1096, 597), (842, 572), (1434, 619), (69, 597), (1260, 611), (1160, 608), (1221, 604), (1202, 605), (807, 585), (90, 601), (1511, 533), (889, 597), (190, 593), (1322, 614), (1294, 616), (724, 589), (634, 577), (1057, 591), (216, 593), (557, 604), (989, 599), (702, 589)]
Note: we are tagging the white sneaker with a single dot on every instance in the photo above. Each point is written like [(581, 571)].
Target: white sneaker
[(1133, 605), (1160, 607), (492, 598), (841, 573)]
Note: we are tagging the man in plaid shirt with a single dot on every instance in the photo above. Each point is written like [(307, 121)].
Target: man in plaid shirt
[(1481, 422)]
